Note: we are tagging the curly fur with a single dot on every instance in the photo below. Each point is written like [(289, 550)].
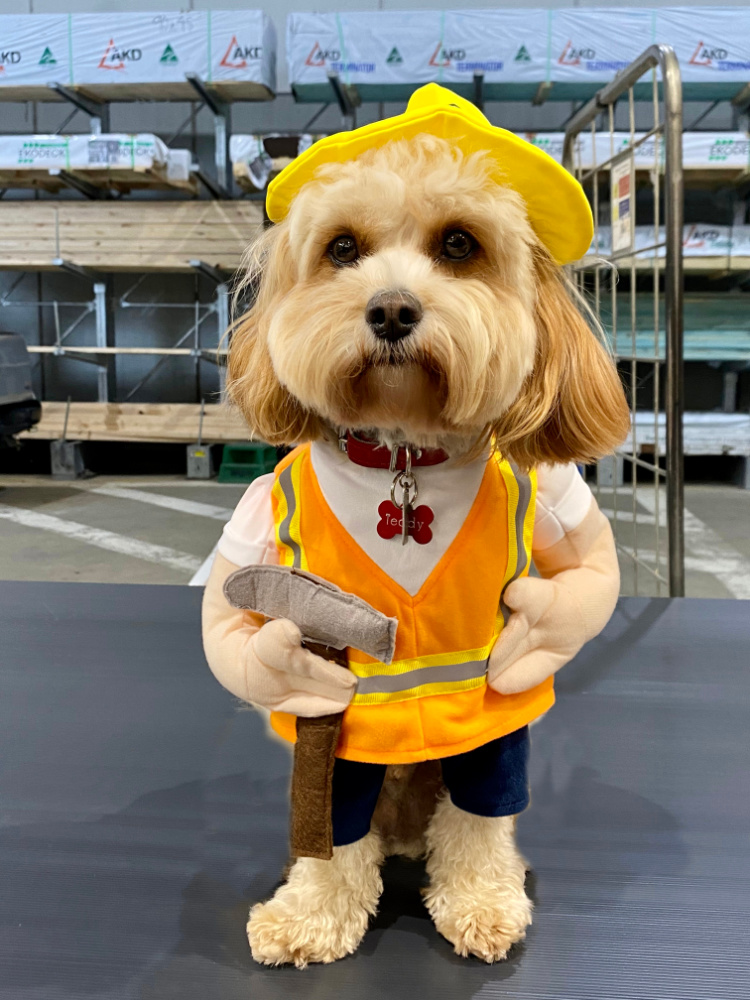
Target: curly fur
[(476, 895), (322, 911)]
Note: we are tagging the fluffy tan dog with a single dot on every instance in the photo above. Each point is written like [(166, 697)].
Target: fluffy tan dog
[(406, 296)]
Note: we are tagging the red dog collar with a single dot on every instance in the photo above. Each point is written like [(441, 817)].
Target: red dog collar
[(377, 456)]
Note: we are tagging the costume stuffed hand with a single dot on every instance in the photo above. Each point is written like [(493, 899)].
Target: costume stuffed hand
[(544, 632), (555, 616), (284, 676), (267, 664)]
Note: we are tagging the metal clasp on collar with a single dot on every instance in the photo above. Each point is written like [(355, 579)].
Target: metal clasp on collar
[(394, 458)]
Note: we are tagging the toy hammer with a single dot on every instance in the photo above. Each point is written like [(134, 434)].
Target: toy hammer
[(329, 620)]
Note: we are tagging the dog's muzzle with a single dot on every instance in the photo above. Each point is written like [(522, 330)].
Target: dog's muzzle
[(393, 315)]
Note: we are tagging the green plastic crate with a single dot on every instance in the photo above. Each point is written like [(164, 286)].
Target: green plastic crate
[(242, 463)]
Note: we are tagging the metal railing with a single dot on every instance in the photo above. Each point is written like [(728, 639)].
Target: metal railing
[(662, 565)]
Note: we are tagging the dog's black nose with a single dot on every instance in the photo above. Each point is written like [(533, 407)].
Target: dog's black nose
[(393, 314)]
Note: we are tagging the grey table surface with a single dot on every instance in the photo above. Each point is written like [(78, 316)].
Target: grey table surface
[(141, 814)]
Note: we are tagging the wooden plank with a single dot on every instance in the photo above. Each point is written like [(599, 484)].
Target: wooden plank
[(122, 179), (174, 423), (128, 236), (228, 90)]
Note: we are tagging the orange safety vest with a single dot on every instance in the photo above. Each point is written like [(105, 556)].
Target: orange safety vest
[(433, 700)]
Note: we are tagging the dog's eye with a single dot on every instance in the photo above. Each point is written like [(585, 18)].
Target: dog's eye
[(458, 245), (343, 250)]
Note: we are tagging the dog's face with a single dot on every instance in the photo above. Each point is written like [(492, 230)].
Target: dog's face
[(403, 294), (412, 310)]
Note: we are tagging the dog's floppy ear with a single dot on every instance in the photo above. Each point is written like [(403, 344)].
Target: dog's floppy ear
[(572, 407), (271, 412)]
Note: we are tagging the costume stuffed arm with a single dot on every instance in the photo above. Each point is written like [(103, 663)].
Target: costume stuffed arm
[(264, 664), (555, 615)]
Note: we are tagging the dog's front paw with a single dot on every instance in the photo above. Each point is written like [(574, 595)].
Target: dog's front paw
[(321, 913), (485, 930)]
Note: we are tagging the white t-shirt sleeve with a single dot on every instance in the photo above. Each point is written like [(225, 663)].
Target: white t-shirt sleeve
[(248, 537), (562, 501)]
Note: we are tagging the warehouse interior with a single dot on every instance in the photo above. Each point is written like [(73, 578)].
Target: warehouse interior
[(189, 156), (142, 809)]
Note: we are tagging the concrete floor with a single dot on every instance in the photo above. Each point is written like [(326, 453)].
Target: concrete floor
[(144, 530)]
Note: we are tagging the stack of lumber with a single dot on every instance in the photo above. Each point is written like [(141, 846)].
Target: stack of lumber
[(111, 161), (173, 423), (126, 236)]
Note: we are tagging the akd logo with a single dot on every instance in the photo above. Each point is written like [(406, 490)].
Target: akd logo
[(319, 56)]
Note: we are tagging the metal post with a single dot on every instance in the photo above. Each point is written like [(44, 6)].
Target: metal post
[(347, 99), (222, 322), (221, 136), (105, 380), (478, 88), (673, 296), (222, 128)]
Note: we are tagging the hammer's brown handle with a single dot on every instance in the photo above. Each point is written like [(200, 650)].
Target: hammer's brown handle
[(311, 832)]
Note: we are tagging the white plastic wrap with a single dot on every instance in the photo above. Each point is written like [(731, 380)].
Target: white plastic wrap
[(564, 46), (116, 48), (19, 152), (34, 49), (179, 162), (242, 47), (700, 150), (591, 44), (698, 240), (403, 47), (83, 152), (712, 43), (120, 151)]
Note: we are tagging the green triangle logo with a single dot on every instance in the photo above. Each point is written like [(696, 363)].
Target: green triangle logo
[(169, 55), (394, 57), (47, 58), (522, 55)]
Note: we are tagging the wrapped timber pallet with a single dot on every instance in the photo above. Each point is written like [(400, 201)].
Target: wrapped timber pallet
[(121, 57), (110, 160), (569, 53)]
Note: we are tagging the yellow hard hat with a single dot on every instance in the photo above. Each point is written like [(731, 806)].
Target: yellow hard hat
[(556, 204)]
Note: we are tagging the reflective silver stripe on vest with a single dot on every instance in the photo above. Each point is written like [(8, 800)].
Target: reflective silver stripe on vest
[(285, 482), (524, 497), (426, 675)]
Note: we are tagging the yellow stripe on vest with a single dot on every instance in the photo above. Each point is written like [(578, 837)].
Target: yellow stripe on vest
[(521, 509), (288, 538)]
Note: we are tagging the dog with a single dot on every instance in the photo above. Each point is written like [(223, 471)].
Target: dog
[(407, 297)]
